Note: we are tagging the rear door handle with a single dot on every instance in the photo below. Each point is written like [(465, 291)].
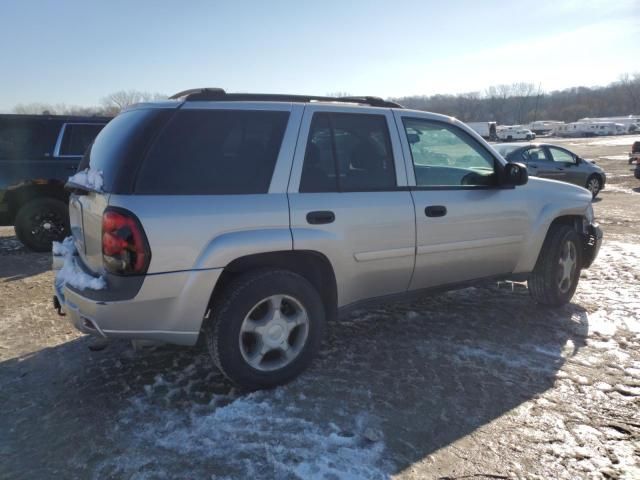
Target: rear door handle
[(435, 211), (320, 217)]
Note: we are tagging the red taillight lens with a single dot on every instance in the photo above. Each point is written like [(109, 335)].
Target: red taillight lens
[(125, 249)]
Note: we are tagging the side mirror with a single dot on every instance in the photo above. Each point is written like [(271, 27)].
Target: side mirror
[(579, 160), (515, 174)]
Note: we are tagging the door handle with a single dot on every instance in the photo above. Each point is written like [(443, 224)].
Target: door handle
[(320, 217), (435, 211)]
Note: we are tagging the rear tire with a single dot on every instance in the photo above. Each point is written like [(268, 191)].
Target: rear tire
[(40, 222), (266, 327), (555, 277)]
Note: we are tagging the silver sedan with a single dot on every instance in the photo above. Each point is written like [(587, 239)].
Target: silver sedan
[(557, 163)]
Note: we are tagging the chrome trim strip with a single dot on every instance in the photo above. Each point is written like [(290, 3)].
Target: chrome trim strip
[(383, 254)]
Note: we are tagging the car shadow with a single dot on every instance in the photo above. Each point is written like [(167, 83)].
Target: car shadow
[(394, 384), (636, 189)]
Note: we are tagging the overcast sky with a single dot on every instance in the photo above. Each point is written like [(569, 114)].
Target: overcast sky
[(77, 51)]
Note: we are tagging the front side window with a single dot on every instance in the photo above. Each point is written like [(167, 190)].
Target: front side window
[(214, 152), (77, 138), (561, 156), (445, 156), (348, 153)]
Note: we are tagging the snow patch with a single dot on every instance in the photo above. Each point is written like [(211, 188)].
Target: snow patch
[(64, 248), (263, 434), (70, 273), (615, 188), (88, 178), (615, 157)]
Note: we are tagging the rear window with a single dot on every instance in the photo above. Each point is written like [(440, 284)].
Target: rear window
[(214, 152), (120, 147)]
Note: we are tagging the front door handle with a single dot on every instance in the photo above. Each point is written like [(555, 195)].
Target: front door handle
[(435, 211), (320, 217)]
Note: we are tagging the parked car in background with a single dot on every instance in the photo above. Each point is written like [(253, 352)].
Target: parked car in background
[(249, 220), (37, 155), (634, 155), (508, 133), (557, 163)]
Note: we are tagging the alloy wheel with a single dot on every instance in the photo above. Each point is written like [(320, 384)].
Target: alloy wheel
[(274, 333)]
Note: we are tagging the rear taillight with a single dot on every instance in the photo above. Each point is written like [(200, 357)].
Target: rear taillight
[(125, 250)]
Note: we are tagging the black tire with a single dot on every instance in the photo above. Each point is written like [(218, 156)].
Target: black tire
[(41, 221), (594, 178), (223, 335), (544, 285)]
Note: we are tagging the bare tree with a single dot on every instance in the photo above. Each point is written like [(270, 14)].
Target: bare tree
[(115, 102), (523, 102), (631, 86)]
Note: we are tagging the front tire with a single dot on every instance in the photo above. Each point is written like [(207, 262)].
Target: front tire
[(40, 222), (555, 277), (265, 328), (594, 185)]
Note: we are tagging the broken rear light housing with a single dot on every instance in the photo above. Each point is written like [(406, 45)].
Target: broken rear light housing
[(125, 249)]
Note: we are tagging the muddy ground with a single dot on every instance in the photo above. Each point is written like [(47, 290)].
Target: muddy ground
[(477, 383)]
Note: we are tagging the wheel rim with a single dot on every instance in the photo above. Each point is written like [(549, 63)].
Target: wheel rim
[(46, 226), (274, 332), (593, 186), (567, 264)]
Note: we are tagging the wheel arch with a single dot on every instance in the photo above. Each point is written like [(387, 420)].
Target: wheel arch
[(312, 265), (540, 230), (17, 197)]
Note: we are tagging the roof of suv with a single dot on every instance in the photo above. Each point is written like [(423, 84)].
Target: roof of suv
[(218, 94)]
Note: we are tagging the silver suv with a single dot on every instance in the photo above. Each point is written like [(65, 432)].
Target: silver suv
[(251, 220)]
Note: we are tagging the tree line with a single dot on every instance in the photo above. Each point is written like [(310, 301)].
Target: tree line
[(517, 103), (521, 103), (110, 105)]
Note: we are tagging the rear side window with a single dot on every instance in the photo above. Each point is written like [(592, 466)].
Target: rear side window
[(214, 152), (348, 153), (27, 138), (77, 137)]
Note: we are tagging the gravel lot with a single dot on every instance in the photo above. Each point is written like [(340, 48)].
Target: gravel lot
[(477, 383)]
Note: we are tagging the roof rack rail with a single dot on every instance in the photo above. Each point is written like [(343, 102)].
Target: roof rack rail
[(218, 94)]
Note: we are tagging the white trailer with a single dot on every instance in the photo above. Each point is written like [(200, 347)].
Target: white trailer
[(484, 129), (542, 127), (589, 129), (628, 122)]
